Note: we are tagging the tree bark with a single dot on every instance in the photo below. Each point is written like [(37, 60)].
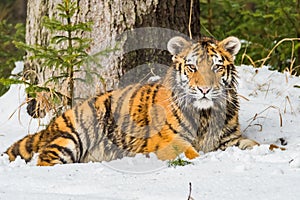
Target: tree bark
[(110, 20)]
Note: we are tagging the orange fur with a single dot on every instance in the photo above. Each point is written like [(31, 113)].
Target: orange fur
[(193, 108)]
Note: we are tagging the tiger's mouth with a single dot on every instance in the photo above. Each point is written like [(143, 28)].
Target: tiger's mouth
[(203, 103)]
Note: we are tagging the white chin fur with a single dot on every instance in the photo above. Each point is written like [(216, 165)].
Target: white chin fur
[(203, 104)]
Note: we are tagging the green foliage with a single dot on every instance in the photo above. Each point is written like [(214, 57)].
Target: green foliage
[(5, 9), (260, 25), (9, 54), (65, 53), (178, 162)]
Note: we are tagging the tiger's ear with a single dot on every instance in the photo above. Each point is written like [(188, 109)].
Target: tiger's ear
[(231, 44), (177, 44)]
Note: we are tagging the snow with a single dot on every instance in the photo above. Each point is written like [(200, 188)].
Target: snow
[(270, 109)]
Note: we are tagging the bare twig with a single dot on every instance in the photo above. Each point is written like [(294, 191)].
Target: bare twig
[(243, 97), (267, 90), (249, 58), (190, 192), (190, 19), (288, 102), (272, 50), (257, 115)]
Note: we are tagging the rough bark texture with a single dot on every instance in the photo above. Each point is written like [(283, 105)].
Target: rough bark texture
[(110, 19)]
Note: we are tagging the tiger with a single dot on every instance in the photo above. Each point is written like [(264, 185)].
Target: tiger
[(194, 108)]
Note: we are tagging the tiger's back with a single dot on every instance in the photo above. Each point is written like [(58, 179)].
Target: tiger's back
[(137, 119), (194, 108)]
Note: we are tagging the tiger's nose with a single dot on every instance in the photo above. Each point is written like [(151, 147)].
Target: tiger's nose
[(204, 90)]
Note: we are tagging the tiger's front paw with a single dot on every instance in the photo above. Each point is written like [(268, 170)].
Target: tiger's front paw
[(247, 144), (191, 153)]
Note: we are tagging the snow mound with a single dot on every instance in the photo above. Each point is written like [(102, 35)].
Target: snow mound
[(270, 108)]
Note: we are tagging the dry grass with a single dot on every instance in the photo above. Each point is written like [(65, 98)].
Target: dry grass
[(44, 105), (260, 115), (286, 103), (291, 69)]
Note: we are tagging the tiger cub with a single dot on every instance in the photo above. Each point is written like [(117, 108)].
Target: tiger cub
[(193, 108)]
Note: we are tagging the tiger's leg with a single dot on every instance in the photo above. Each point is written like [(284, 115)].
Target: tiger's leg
[(61, 150), (246, 143), (172, 149), (241, 142), (235, 139), (191, 153)]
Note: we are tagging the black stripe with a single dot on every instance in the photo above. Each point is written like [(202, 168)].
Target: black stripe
[(77, 141), (63, 150), (131, 107), (125, 124), (159, 134), (171, 128), (229, 116), (95, 118), (182, 124), (53, 126), (155, 91), (213, 50), (29, 143), (69, 136), (50, 156), (120, 102), (137, 89), (45, 160), (85, 129), (80, 145), (41, 136), (228, 72), (228, 132), (144, 108), (196, 49), (109, 124), (75, 110), (179, 67), (49, 153), (68, 122), (16, 149), (191, 120), (108, 120), (154, 110), (146, 113), (108, 113), (231, 108), (157, 147), (223, 58), (66, 135)]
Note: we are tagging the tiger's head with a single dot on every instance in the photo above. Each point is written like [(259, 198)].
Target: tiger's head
[(203, 72)]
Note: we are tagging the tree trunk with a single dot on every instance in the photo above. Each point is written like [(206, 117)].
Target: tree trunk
[(110, 20)]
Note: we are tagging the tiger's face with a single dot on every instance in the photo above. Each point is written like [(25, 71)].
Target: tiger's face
[(204, 71)]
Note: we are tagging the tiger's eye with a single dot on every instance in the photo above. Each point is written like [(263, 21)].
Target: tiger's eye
[(192, 68), (220, 68)]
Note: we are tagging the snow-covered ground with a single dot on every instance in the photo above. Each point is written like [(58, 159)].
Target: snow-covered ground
[(270, 113)]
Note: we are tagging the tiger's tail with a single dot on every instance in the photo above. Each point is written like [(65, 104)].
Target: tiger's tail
[(52, 147), (25, 147)]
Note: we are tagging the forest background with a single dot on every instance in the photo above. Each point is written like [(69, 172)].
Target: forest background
[(269, 31)]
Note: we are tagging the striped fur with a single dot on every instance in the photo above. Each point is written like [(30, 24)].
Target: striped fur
[(194, 108)]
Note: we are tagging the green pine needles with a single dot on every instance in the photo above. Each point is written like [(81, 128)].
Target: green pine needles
[(65, 54), (9, 54), (178, 162)]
